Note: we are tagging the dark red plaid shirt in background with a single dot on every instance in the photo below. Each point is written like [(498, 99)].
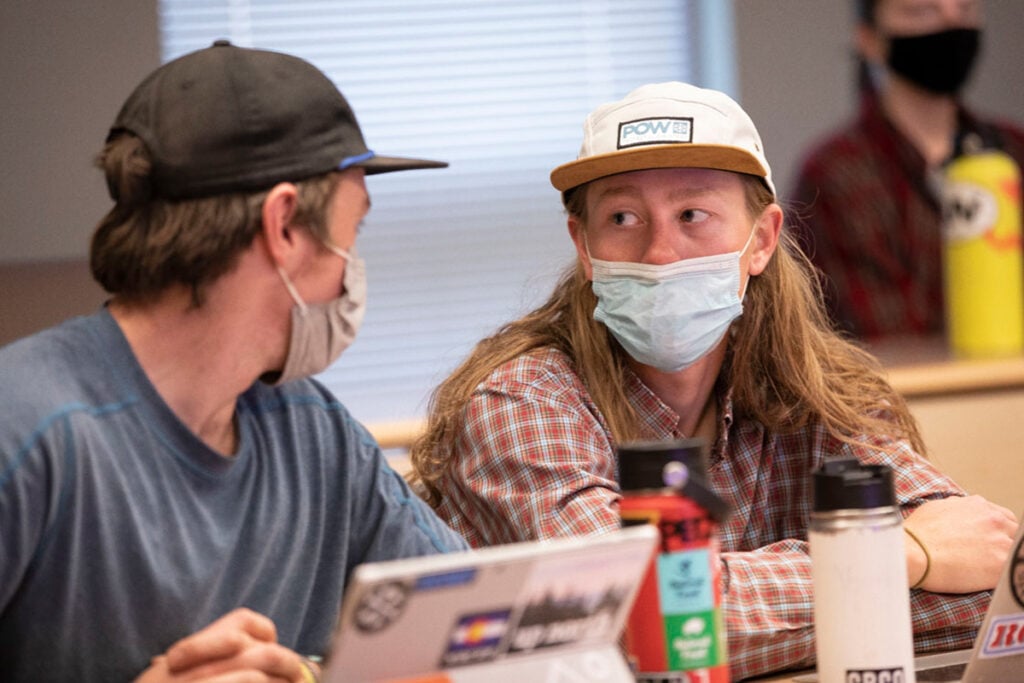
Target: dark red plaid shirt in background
[(866, 210), (535, 459)]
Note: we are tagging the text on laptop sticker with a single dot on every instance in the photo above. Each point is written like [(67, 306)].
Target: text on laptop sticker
[(1005, 636), (573, 618)]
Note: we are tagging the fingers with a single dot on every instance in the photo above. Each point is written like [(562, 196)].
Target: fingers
[(158, 673), (989, 516), (1008, 515), (222, 639), (989, 505), (269, 661), (968, 538), (964, 510), (253, 623), (239, 647)]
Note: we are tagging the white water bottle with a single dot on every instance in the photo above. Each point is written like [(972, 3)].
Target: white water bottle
[(858, 563)]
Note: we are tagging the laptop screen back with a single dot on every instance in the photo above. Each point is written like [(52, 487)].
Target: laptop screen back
[(464, 611)]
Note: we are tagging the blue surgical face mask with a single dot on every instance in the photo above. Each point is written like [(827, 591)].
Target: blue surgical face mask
[(669, 316)]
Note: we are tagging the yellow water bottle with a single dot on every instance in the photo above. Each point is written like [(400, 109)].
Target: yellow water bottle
[(984, 283)]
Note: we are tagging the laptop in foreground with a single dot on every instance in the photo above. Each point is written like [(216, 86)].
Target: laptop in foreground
[(540, 611)]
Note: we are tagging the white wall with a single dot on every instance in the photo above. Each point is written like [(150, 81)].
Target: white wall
[(797, 73), (65, 68), (66, 65)]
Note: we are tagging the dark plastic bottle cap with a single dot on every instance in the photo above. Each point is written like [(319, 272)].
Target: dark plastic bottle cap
[(846, 484), (642, 464), (678, 465)]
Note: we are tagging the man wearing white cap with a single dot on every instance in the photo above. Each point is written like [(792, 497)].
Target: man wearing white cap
[(689, 312)]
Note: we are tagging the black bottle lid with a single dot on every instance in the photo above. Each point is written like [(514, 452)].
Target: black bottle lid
[(846, 484), (679, 464), (642, 463)]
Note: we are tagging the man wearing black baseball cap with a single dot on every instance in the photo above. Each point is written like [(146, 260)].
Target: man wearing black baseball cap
[(179, 500)]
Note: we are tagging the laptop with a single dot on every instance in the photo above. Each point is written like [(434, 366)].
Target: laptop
[(538, 611), (998, 652)]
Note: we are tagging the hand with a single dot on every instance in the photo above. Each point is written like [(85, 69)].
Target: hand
[(239, 647), (968, 538)]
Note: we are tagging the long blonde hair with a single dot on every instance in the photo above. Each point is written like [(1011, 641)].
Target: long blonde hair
[(786, 365)]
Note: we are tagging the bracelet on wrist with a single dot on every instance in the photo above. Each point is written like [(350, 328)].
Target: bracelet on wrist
[(927, 558)]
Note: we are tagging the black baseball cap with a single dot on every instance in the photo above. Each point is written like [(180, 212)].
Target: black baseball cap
[(232, 119)]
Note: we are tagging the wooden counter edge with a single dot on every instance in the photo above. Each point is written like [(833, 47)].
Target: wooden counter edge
[(397, 433), (957, 377), (919, 380)]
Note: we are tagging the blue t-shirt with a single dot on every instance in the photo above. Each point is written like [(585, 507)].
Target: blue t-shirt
[(121, 532)]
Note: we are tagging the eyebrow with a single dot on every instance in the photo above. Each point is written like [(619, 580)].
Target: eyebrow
[(677, 193)]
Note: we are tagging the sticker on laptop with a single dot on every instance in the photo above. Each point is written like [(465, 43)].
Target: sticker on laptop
[(380, 606), (1017, 572), (1005, 636), (476, 638), (445, 579), (579, 617), (575, 599)]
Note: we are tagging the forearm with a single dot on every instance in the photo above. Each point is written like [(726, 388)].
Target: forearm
[(769, 609), (946, 622), (535, 467)]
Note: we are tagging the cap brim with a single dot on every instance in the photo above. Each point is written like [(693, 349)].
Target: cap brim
[(379, 164), (720, 157)]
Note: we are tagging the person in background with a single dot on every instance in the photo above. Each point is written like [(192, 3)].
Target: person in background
[(868, 193), (178, 500), (690, 312)]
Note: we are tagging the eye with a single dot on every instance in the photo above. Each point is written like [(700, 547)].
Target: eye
[(694, 215), (624, 218)]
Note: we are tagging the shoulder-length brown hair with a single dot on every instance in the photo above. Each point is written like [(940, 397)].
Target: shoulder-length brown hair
[(786, 365)]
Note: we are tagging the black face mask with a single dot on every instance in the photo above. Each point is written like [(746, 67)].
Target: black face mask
[(938, 62)]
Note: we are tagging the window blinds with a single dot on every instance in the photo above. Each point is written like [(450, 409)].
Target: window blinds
[(499, 89)]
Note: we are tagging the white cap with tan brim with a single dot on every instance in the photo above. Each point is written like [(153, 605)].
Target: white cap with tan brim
[(666, 125)]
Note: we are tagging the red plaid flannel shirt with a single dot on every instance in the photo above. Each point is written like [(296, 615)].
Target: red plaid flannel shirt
[(868, 215), (536, 460)]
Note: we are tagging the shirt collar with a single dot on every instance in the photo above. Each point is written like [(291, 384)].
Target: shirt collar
[(659, 421)]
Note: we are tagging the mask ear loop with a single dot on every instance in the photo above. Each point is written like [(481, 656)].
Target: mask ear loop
[(333, 248), (739, 258), (291, 290), (586, 248)]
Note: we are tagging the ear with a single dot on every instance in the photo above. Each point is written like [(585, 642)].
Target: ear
[(766, 239), (278, 231), (869, 43), (577, 231)]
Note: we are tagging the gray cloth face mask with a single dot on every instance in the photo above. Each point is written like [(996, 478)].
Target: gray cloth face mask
[(321, 332)]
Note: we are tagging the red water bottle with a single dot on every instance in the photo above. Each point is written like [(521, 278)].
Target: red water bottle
[(676, 630)]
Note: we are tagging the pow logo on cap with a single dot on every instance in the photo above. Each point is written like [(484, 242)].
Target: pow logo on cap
[(655, 131)]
